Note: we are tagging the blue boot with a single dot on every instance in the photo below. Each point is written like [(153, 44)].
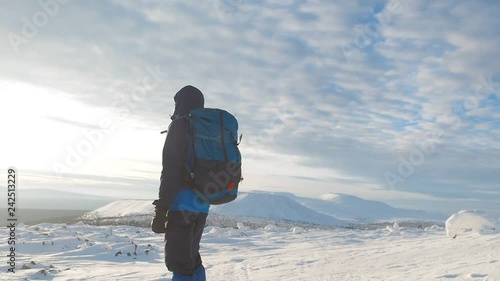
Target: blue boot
[(199, 274)]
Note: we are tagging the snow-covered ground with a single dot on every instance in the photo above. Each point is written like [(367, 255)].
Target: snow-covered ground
[(84, 252), (282, 240)]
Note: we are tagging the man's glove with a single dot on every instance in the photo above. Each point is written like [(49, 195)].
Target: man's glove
[(159, 221)]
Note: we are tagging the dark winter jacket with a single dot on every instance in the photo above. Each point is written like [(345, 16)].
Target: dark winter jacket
[(176, 148)]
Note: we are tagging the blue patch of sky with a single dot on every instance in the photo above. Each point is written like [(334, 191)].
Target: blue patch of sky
[(460, 111), (400, 125), (397, 122), (378, 6), (273, 4), (375, 59), (306, 17), (325, 87), (111, 11), (298, 48), (496, 79), (365, 28), (233, 4), (110, 15), (440, 48), (256, 61), (367, 10), (417, 123), (491, 101), (321, 77)]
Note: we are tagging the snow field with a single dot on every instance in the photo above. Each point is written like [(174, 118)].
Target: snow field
[(84, 252)]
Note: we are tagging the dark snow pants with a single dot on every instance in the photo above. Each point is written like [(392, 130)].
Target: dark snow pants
[(182, 241)]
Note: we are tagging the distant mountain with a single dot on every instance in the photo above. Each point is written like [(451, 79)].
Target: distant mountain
[(260, 205), (330, 210), (122, 208), (274, 206), (350, 207)]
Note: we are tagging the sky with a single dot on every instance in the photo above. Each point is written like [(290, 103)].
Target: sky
[(396, 101)]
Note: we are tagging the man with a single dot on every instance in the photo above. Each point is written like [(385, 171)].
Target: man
[(179, 213)]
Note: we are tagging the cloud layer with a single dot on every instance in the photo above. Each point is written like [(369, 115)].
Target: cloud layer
[(392, 95)]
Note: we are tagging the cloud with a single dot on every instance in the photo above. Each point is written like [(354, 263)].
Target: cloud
[(351, 87), (108, 186), (73, 123)]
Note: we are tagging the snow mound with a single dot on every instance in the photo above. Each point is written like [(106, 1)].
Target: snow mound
[(467, 220), (241, 226), (271, 227), (394, 230), (297, 230), (219, 232)]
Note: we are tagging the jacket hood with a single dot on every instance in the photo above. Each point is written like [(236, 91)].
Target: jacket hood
[(187, 99)]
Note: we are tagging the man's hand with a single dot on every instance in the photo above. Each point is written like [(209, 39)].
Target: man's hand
[(159, 222)]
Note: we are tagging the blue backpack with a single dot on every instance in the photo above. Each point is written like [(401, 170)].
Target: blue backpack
[(216, 171)]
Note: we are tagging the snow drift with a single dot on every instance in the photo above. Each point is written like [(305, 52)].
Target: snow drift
[(466, 220)]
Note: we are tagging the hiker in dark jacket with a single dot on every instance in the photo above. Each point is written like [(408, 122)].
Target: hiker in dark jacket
[(178, 211)]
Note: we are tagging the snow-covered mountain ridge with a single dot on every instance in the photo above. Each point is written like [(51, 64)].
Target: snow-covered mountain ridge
[(329, 210)]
